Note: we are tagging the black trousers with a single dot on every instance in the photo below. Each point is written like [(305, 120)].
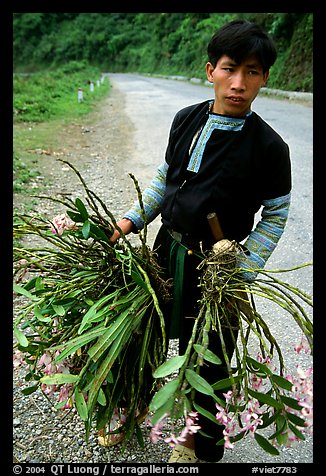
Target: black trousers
[(206, 448)]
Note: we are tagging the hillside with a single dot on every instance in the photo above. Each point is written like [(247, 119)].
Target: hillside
[(164, 43)]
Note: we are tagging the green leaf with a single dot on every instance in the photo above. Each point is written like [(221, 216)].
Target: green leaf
[(169, 366), (29, 390), (20, 290), (22, 339), (282, 382), (281, 433), (111, 333), (81, 404), (226, 382), (76, 217), (198, 382), (59, 310), (265, 444), (164, 394), (86, 229), (81, 208), (291, 402), (101, 398), (78, 342), (205, 413), (162, 411), (264, 398), (295, 419), (38, 314), (97, 232), (59, 379), (35, 282), (99, 378), (93, 311), (297, 432), (207, 354), (139, 280)]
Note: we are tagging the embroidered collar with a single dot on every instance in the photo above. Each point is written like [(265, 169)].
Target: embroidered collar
[(214, 121)]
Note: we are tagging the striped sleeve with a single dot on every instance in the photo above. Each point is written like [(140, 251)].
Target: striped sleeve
[(262, 241), (152, 199)]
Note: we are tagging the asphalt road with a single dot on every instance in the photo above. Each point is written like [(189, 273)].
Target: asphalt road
[(151, 104)]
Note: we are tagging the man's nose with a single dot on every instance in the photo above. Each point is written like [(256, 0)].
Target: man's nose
[(238, 81)]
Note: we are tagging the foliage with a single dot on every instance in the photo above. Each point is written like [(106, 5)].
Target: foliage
[(92, 327), (22, 174), (93, 330), (259, 394), (51, 94), (166, 43)]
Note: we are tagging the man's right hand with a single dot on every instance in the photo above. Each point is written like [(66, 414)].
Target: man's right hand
[(126, 227)]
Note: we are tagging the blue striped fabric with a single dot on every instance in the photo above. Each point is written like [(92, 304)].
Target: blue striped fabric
[(263, 239), (152, 199)]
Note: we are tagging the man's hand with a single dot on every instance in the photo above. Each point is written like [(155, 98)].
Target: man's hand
[(126, 227)]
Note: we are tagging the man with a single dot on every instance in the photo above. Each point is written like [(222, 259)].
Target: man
[(221, 157)]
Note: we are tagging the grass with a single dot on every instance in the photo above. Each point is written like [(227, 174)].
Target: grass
[(46, 95), (43, 104)]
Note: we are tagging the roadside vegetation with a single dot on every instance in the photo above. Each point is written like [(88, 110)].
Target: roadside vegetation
[(163, 43), (44, 102)]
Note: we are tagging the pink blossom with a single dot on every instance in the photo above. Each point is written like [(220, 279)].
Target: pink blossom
[(191, 420), (18, 359), (45, 359), (48, 389), (267, 361), (172, 440), (62, 222), (156, 433), (302, 345), (256, 382), (227, 443), (190, 428), (65, 394)]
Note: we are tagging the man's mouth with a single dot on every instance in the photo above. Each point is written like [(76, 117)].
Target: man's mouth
[(235, 99)]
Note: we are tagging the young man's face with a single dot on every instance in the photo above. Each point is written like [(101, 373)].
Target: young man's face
[(235, 85)]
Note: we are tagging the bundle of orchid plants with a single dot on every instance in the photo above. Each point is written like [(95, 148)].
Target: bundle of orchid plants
[(91, 332)]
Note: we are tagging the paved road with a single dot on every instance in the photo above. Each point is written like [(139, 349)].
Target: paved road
[(151, 104)]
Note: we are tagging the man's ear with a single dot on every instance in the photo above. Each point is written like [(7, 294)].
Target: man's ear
[(265, 77), (209, 72)]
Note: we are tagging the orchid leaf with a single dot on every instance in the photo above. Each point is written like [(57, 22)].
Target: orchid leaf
[(21, 290), (21, 338), (164, 394), (205, 413), (226, 382), (291, 402), (297, 432), (76, 217), (86, 229), (170, 366), (265, 398), (266, 445), (82, 209), (198, 382), (207, 354), (282, 382), (81, 404), (59, 379)]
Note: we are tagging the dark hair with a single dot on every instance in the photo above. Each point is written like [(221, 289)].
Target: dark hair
[(240, 39)]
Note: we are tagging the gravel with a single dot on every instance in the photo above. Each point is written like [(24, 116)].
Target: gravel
[(98, 147)]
